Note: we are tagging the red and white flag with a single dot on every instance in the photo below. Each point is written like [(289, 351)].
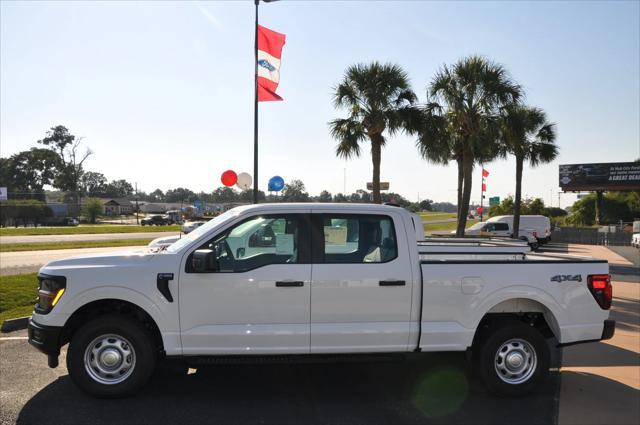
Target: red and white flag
[(485, 173), (270, 45)]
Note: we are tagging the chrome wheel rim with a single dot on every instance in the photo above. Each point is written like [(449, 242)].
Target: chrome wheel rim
[(515, 361), (109, 359)]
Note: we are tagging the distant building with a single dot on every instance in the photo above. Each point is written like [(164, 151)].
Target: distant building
[(117, 206)]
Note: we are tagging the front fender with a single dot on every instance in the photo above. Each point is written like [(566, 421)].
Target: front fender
[(159, 310)]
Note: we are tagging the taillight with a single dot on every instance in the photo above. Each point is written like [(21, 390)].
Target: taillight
[(601, 289)]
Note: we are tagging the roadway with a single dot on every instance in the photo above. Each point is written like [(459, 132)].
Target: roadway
[(31, 261), (83, 237)]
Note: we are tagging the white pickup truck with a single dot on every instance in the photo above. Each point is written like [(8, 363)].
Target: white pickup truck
[(316, 280)]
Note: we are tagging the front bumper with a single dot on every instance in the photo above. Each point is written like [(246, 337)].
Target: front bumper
[(608, 330), (45, 338)]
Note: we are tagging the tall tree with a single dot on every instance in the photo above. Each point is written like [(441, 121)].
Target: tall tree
[(68, 147), (118, 189), (294, 191), (93, 184), (26, 173), (471, 94), (380, 101), (325, 196), (528, 136)]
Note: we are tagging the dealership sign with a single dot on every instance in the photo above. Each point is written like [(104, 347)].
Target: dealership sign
[(602, 176)]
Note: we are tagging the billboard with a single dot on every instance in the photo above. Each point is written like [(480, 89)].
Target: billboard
[(602, 176)]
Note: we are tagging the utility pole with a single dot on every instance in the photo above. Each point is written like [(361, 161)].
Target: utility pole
[(137, 209)]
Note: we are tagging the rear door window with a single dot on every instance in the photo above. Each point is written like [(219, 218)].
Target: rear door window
[(358, 239)]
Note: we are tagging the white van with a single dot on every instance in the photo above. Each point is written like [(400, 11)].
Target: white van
[(503, 229), (538, 223)]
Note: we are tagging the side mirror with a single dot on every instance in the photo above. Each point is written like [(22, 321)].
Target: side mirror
[(203, 261)]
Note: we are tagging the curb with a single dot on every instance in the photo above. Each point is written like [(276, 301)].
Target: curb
[(11, 325)]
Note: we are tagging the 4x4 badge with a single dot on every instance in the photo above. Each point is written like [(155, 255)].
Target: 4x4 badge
[(566, 277)]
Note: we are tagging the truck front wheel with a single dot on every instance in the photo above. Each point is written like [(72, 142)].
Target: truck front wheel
[(513, 359), (111, 356)]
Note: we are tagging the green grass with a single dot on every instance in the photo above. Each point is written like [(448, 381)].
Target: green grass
[(432, 216), (17, 295), (12, 247), (443, 227), (85, 229)]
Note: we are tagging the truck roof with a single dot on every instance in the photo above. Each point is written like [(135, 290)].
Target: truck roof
[(351, 206)]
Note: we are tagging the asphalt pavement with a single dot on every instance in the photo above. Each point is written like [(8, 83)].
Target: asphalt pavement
[(31, 261), (431, 388), (83, 237)]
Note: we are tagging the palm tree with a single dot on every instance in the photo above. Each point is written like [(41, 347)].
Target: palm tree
[(471, 93), (379, 99), (527, 135)]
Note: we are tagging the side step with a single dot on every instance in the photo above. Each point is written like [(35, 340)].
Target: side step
[(292, 358)]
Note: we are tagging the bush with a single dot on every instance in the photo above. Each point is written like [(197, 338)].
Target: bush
[(92, 209), (16, 212)]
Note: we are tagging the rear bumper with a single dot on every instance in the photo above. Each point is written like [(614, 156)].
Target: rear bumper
[(608, 330), (45, 338)]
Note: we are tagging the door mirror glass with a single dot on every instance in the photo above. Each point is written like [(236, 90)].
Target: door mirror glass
[(204, 261)]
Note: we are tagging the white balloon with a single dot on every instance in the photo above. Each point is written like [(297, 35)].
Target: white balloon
[(244, 181)]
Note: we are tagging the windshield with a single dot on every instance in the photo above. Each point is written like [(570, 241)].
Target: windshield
[(195, 234)]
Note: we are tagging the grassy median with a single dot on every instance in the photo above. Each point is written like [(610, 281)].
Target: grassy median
[(17, 295), (433, 215), (46, 246), (443, 227), (85, 229)]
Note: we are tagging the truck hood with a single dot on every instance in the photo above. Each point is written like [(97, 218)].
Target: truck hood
[(124, 258)]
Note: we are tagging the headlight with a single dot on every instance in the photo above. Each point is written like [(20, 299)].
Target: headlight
[(50, 289)]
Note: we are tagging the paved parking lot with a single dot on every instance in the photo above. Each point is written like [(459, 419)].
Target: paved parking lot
[(432, 388)]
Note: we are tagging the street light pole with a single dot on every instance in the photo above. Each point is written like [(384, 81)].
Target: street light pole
[(255, 112)]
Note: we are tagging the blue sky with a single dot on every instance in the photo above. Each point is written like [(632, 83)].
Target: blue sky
[(163, 92)]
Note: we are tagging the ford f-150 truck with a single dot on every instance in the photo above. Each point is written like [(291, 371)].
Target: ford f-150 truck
[(314, 280)]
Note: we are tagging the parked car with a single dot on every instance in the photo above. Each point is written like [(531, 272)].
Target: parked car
[(155, 220), (70, 221), (189, 226), (635, 240), (266, 280)]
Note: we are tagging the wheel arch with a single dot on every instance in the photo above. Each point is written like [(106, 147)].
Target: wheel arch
[(524, 309), (106, 306)]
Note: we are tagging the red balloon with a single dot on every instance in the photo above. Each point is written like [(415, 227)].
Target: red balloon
[(229, 178), (479, 209)]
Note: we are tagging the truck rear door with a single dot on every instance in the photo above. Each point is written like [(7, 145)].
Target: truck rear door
[(361, 283)]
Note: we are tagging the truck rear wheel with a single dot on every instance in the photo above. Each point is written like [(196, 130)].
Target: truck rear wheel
[(111, 356), (513, 359)]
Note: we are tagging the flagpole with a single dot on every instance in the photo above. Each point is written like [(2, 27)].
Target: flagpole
[(255, 113), (481, 192)]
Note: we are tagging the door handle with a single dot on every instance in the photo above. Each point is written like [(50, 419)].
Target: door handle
[(289, 283), (392, 283)]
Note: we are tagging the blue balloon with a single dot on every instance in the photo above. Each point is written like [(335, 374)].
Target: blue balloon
[(276, 184)]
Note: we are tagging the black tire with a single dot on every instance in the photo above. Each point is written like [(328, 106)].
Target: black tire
[(134, 333), (487, 357)]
